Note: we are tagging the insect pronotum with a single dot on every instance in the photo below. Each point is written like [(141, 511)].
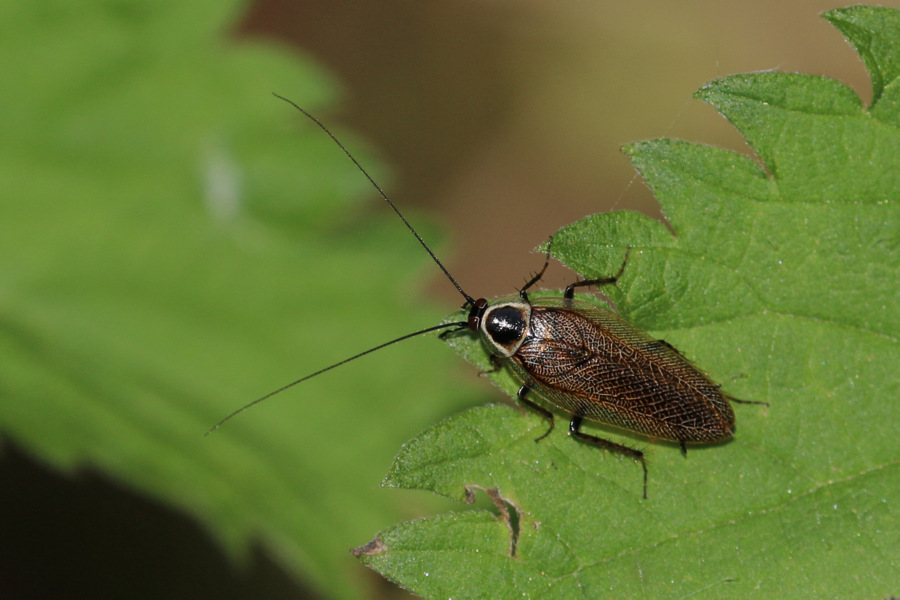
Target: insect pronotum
[(586, 361)]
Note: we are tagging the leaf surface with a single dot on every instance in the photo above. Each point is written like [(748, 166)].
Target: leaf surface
[(778, 275)]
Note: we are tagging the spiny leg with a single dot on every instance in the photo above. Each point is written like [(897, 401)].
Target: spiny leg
[(523, 391), (524, 291), (570, 289), (637, 455)]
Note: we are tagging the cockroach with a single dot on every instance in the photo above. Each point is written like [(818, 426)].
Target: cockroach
[(586, 361)]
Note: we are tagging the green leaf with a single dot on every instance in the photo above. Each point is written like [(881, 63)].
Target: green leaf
[(779, 277), (875, 33), (175, 242)]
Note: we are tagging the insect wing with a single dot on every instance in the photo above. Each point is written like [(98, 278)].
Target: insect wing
[(590, 362)]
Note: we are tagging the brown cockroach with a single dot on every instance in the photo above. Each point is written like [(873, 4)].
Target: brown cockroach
[(586, 361)]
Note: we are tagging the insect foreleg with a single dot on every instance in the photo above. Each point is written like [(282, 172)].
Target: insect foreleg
[(496, 365), (637, 455), (443, 335)]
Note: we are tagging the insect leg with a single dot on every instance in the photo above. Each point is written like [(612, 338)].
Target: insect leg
[(637, 455), (739, 401), (570, 290), (523, 391), (443, 335), (524, 291), (496, 365), (668, 345)]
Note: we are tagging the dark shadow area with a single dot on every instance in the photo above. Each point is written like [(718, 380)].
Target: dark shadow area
[(82, 536)]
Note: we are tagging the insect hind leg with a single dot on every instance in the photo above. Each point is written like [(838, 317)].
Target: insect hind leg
[(637, 455)]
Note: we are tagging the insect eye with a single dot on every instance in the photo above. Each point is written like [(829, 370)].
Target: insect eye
[(477, 313), (506, 325)]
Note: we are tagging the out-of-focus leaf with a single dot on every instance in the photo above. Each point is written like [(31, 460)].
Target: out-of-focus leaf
[(176, 242)]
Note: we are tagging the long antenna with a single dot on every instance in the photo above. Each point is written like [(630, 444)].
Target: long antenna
[(459, 325), (469, 300)]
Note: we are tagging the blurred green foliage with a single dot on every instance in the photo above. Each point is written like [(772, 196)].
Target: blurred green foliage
[(176, 242)]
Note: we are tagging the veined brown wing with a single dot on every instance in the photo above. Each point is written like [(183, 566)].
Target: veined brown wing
[(590, 362)]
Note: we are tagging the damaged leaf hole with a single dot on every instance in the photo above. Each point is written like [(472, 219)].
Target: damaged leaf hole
[(506, 510), (502, 508), (373, 548)]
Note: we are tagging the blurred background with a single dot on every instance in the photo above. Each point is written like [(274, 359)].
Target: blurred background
[(492, 124), (513, 113)]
